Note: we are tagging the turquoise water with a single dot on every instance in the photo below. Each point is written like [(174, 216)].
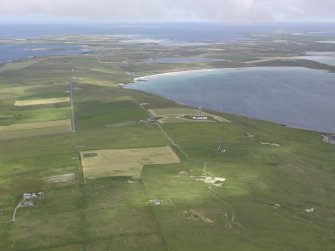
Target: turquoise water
[(296, 97)]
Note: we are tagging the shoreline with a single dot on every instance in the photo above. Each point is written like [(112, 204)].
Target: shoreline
[(25, 59), (249, 66), (173, 73), (149, 77)]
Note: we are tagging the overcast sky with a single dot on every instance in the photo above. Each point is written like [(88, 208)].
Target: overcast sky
[(237, 11)]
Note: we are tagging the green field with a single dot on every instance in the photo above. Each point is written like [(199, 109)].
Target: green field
[(34, 117), (269, 174)]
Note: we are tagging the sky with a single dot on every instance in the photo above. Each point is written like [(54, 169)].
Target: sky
[(230, 11)]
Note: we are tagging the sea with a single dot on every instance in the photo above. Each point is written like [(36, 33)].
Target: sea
[(292, 96)]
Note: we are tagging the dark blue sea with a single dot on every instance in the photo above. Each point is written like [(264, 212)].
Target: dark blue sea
[(297, 97)]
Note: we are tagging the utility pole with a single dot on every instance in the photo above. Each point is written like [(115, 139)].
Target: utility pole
[(70, 91)]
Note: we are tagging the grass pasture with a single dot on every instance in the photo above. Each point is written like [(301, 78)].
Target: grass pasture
[(34, 129), (176, 115), (24, 115), (92, 114), (37, 125), (124, 162), (35, 117), (6, 101)]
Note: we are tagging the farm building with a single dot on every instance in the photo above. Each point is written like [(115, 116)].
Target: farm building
[(329, 139), (200, 117)]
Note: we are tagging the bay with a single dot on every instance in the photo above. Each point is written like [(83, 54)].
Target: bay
[(293, 96)]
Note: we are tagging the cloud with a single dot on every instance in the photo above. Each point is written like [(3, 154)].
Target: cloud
[(170, 10)]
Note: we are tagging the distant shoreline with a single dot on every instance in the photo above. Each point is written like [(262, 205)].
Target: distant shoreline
[(299, 63), (40, 53), (172, 73)]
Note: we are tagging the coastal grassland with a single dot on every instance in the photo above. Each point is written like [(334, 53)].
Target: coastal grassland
[(295, 175), (177, 115), (118, 74)]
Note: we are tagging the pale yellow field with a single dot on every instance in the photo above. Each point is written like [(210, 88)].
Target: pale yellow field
[(34, 132), (42, 101), (125, 162), (176, 115), (36, 125)]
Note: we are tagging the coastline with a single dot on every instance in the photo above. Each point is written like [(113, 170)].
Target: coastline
[(247, 66), (174, 73), (66, 53)]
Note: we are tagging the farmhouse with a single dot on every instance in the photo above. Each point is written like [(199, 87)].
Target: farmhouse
[(200, 117), (155, 202), (329, 139)]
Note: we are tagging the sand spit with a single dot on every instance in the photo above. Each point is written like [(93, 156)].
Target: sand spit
[(174, 73)]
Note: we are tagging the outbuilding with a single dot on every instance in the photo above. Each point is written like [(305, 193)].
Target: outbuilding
[(329, 139)]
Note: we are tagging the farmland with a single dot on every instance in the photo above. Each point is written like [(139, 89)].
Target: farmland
[(269, 174), (124, 162), (41, 101), (27, 118)]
